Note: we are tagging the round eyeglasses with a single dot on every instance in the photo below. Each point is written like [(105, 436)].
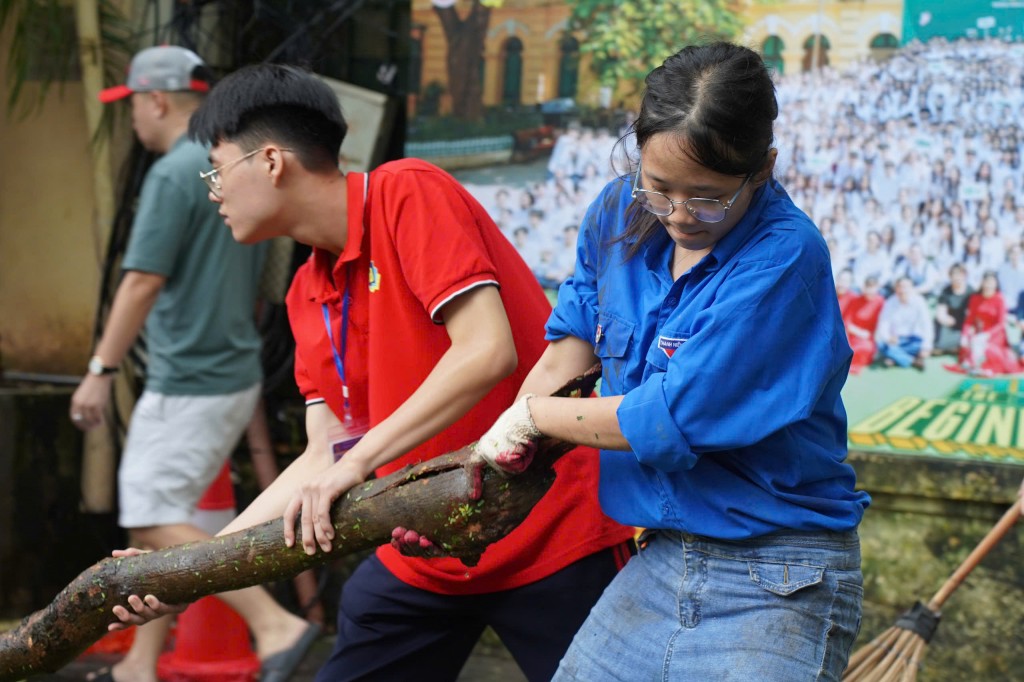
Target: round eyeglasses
[(704, 210), (212, 177)]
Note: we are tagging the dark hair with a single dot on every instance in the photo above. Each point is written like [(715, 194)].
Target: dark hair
[(720, 98), (994, 275), (274, 102)]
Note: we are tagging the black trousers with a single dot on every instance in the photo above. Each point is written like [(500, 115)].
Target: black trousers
[(391, 631)]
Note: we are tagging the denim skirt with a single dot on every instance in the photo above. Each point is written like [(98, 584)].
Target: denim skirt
[(784, 606)]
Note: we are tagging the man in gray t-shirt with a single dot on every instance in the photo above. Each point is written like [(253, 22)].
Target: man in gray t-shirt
[(194, 288)]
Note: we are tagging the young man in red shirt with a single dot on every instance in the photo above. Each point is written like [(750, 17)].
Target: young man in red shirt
[(416, 319)]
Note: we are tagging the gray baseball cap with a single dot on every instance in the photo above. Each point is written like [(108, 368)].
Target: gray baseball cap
[(166, 68)]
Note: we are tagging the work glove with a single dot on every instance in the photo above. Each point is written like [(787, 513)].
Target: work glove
[(509, 445), (410, 543)]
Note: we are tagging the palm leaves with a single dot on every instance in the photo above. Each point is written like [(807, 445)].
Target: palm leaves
[(44, 48)]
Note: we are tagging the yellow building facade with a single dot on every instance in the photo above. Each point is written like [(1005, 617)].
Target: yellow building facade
[(851, 30), (533, 31), (530, 30)]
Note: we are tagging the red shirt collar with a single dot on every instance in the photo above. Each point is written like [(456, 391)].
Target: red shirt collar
[(357, 184)]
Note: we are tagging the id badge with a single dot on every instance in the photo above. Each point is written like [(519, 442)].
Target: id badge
[(343, 437)]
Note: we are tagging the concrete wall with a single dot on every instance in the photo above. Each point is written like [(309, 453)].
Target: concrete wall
[(50, 242), (926, 516), (52, 236)]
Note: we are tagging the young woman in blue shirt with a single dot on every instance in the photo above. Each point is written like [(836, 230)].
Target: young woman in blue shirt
[(708, 298)]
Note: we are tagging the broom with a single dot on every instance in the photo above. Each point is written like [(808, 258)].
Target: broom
[(894, 656)]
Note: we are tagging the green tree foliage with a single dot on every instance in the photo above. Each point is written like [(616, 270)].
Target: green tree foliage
[(627, 38)]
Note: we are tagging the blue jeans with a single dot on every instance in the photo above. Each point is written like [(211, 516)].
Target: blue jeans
[(786, 606), (904, 352)]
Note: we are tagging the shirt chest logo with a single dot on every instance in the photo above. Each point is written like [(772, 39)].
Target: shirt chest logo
[(669, 345), (374, 278)]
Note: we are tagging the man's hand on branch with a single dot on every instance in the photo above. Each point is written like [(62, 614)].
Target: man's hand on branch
[(143, 610), (509, 445), (311, 502)]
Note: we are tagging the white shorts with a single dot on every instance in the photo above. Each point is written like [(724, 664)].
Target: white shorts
[(176, 446)]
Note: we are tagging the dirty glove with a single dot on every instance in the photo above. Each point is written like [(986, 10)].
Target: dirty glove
[(509, 444), (410, 543)]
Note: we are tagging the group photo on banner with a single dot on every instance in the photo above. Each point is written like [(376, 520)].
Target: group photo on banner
[(905, 152)]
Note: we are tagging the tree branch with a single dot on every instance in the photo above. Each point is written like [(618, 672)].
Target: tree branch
[(461, 504)]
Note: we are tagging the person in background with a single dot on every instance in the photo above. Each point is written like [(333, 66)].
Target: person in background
[(904, 332), (194, 288), (950, 311), (861, 319), (844, 289), (919, 270), (1011, 275), (873, 261), (984, 347)]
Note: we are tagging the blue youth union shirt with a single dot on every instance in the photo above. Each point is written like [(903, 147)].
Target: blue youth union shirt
[(731, 374)]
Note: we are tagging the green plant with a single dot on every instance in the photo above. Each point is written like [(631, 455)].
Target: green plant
[(44, 47)]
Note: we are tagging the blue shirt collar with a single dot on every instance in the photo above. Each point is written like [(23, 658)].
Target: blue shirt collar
[(743, 230)]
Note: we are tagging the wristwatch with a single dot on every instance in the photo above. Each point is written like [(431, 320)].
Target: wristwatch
[(97, 368)]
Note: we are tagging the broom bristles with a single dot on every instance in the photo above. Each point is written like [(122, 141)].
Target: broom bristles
[(869, 653), (896, 659), (893, 656), (915, 660)]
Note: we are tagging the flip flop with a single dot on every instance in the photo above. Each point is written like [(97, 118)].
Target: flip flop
[(280, 666)]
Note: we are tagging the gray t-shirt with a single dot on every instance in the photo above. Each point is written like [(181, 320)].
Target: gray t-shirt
[(201, 335)]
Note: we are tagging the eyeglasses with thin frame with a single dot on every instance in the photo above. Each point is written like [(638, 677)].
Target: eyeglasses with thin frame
[(212, 177), (704, 210)]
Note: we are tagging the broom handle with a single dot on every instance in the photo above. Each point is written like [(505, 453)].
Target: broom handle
[(975, 557)]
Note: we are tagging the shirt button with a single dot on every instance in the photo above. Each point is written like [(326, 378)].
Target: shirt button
[(671, 301)]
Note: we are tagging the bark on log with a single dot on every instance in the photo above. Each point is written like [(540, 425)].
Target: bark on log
[(461, 507)]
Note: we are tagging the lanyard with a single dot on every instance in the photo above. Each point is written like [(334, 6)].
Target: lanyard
[(346, 301), (339, 355)]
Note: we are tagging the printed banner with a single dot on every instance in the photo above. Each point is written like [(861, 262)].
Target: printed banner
[(899, 133)]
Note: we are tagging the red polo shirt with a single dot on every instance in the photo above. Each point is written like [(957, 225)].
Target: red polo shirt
[(417, 241)]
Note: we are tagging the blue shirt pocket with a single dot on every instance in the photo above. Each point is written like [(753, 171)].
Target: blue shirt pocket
[(664, 346), (613, 342), (613, 336)]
